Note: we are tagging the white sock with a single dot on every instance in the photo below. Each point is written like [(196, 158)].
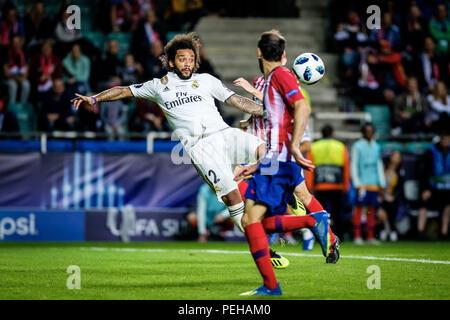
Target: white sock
[(236, 212), (307, 234)]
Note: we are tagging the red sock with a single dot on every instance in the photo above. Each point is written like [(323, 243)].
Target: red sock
[(282, 223), (370, 223), (356, 219), (259, 247), (314, 205)]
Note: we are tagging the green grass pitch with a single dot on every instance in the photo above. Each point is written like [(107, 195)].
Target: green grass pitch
[(217, 270)]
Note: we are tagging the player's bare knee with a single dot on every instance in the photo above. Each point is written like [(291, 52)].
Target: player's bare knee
[(245, 220), (260, 151), (232, 198), (303, 195)]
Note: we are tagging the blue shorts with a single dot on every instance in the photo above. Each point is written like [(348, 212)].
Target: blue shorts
[(274, 191), (367, 198)]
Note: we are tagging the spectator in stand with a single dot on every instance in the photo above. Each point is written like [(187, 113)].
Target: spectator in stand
[(10, 25), (132, 72), (113, 115), (120, 14), (88, 118), (44, 68), (138, 10), (148, 117), (144, 36), (350, 38), (57, 108), (194, 11), (8, 120), (388, 31), (413, 34), (394, 174), (152, 65), (77, 69), (369, 87), (432, 68), (16, 71), (410, 109), (368, 179), (184, 15), (205, 64), (390, 70), (435, 184), (109, 70), (210, 216), (37, 27), (440, 106), (331, 177), (440, 30), (65, 37)]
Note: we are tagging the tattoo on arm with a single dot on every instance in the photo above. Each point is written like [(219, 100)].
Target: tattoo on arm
[(245, 104), (115, 93)]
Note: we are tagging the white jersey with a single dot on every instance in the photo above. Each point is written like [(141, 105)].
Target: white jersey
[(188, 104)]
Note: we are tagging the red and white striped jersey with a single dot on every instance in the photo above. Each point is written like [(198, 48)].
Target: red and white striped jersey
[(257, 123), (281, 91)]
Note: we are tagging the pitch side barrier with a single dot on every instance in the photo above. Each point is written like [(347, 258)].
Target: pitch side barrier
[(114, 224)]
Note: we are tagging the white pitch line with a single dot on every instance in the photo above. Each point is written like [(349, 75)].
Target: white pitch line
[(246, 252)]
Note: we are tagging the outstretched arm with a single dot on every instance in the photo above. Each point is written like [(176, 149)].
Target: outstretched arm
[(115, 93), (245, 104), (241, 82)]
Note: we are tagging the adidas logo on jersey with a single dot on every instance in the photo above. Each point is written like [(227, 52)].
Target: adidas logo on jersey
[(166, 89)]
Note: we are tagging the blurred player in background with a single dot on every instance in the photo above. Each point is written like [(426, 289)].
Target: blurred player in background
[(367, 175), (435, 183), (211, 216), (187, 100), (330, 181), (279, 174)]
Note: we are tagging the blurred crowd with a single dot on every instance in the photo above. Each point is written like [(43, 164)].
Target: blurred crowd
[(403, 64), (44, 62)]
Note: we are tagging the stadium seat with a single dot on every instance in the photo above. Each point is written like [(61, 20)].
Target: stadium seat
[(124, 39), (25, 116), (96, 37), (171, 34), (52, 9), (390, 146), (417, 147), (381, 116)]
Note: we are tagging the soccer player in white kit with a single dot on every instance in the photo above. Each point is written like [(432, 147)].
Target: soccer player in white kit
[(187, 99)]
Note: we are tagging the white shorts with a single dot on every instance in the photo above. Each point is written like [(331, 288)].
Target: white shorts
[(216, 156)]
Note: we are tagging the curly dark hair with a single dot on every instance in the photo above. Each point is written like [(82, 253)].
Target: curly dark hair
[(181, 41)]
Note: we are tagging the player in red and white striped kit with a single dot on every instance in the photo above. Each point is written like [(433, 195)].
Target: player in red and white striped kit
[(255, 126)]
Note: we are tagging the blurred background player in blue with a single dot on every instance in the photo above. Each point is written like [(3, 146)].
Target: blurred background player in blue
[(210, 216), (435, 184), (368, 179)]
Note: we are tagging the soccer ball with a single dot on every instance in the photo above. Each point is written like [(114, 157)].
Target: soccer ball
[(309, 68)]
